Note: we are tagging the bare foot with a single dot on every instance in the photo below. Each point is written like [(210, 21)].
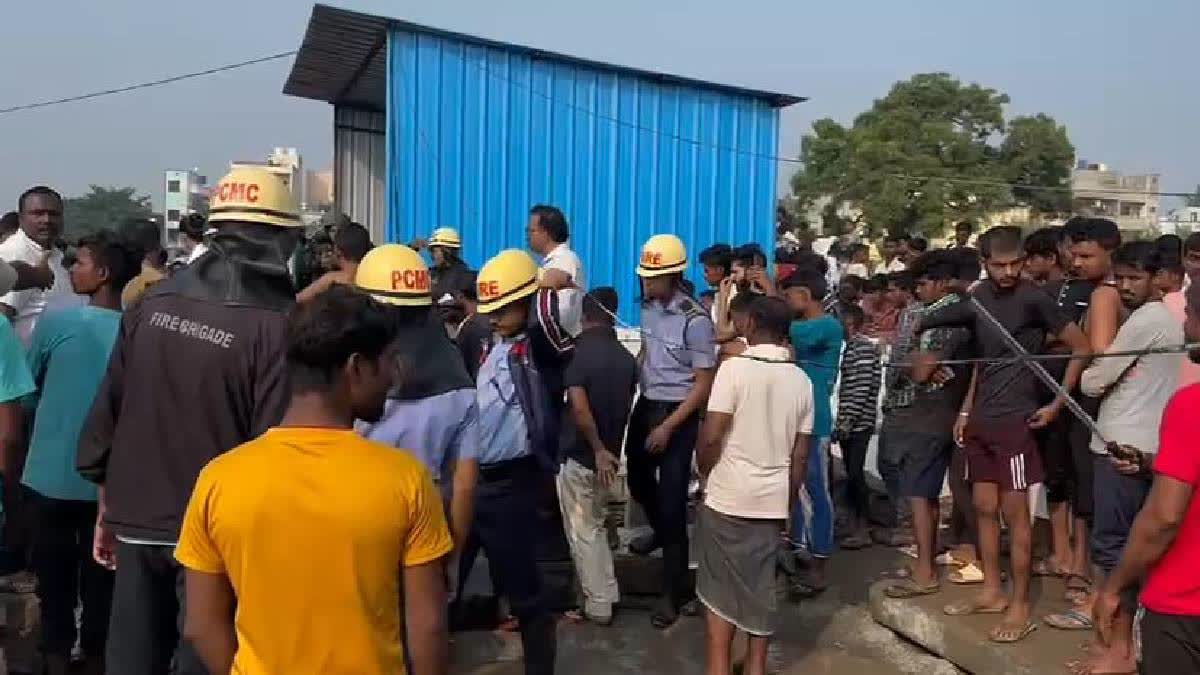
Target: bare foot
[(1107, 662)]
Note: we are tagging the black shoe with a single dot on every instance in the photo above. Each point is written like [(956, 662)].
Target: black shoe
[(665, 616), (644, 544)]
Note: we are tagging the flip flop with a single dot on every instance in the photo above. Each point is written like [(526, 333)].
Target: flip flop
[(910, 589), (1007, 635), (1071, 619), (1046, 568), (968, 608), (966, 575), (947, 559)]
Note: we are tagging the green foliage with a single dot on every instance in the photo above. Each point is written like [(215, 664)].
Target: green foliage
[(103, 207), (926, 155), (1036, 151)]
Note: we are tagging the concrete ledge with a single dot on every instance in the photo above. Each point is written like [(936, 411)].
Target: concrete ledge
[(964, 640)]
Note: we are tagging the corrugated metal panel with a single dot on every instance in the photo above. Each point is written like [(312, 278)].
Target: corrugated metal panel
[(359, 167), (478, 134)]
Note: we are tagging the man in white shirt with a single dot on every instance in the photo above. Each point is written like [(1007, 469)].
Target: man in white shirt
[(753, 454), (561, 268), (40, 213), (194, 229)]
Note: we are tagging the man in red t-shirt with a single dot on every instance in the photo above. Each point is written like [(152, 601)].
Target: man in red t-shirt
[(1164, 543)]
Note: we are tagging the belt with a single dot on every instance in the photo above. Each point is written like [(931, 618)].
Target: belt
[(661, 405), (508, 468)]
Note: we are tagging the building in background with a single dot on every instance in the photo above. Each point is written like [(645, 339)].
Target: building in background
[(1181, 221), (185, 191), (433, 128), (283, 162), (318, 189), (1130, 201)]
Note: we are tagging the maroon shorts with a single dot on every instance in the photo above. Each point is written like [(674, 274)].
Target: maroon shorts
[(1002, 451)]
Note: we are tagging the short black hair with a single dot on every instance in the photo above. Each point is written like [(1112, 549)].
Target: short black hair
[(37, 190), (552, 220), (1002, 239), (741, 302), (120, 256), (353, 241), (1192, 243), (718, 255), (324, 333), (9, 222), (854, 280), (600, 304), (771, 316), (964, 225), (193, 226), (749, 255), (853, 315), (1100, 230), (1170, 244), (708, 293), (807, 277), (903, 280), (1044, 242), (893, 237), (936, 265), (966, 263), (143, 232), (811, 260), (877, 283), (1140, 255), (918, 244)]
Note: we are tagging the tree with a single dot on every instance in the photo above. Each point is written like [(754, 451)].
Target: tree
[(923, 156), (1036, 151), (104, 207)]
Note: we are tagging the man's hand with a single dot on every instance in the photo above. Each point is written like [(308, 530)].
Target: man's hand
[(555, 279), (1104, 613), (759, 277), (960, 430), (104, 546), (33, 276), (658, 439), (1043, 417), (418, 244), (1127, 466), (606, 467)]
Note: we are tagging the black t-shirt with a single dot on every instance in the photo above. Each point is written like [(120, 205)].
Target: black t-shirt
[(1028, 313), (607, 373), (1073, 297), (472, 340)]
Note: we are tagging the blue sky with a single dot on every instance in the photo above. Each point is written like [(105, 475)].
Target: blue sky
[(1120, 75)]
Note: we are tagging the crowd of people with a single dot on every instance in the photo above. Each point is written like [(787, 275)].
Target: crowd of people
[(218, 469)]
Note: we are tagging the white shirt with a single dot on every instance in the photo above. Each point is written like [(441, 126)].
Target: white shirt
[(570, 300), (198, 251), (771, 401), (29, 304), (896, 265)]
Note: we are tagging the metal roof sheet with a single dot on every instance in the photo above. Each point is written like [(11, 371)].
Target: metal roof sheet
[(343, 60)]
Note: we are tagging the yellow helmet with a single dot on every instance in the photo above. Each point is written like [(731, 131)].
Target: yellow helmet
[(445, 236), (253, 195), (506, 278), (662, 254), (396, 275)]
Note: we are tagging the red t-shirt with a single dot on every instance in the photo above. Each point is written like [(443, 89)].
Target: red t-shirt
[(1172, 584)]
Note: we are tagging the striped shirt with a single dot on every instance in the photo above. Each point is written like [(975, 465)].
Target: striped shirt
[(858, 392)]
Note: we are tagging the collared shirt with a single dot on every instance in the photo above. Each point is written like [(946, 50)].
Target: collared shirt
[(679, 339), (31, 303), (503, 433), (439, 430), (570, 300)]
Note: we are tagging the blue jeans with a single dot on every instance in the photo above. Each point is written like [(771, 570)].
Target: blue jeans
[(812, 521)]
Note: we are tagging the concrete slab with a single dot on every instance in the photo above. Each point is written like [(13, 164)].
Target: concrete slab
[(964, 640)]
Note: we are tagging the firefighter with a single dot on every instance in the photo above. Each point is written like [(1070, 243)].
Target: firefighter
[(431, 409), (198, 368), (445, 249)]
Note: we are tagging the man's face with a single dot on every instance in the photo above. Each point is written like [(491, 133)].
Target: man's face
[(738, 272), (848, 292), (451, 312), (713, 274), (797, 299), (438, 254), (741, 323), (1039, 267), (42, 218), (962, 236), (890, 249), (1090, 261), (1004, 269), (509, 320), (86, 276), (896, 295), (1168, 281), (1135, 286), (1191, 264), (538, 239), (931, 290), (368, 382), (658, 288)]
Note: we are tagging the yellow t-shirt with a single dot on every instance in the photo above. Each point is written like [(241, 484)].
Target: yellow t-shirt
[(312, 527)]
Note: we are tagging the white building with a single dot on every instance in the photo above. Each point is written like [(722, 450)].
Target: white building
[(1130, 201), (1181, 221), (185, 191), (285, 163)]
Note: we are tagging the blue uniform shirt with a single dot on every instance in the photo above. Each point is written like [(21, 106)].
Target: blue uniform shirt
[(818, 345), (438, 430), (503, 433), (68, 355), (679, 339)]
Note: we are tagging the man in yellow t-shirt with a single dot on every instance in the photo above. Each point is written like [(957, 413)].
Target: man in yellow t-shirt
[(303, 546)]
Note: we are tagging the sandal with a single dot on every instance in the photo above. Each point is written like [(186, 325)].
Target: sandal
[(968, 608), (664, 617), (1047, 568), (908, 589), (1005, 635), (1071, 619), (802, 590), (966, 575), (948, 559)]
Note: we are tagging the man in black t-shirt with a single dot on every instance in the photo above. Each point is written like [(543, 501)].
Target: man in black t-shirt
[(600, 381), (995, 425)]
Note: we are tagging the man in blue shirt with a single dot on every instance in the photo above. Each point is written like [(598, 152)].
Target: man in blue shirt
[(68, 354), (817, 340)]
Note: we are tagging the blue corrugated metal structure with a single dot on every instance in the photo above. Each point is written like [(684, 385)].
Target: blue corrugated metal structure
[(478, 131)]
